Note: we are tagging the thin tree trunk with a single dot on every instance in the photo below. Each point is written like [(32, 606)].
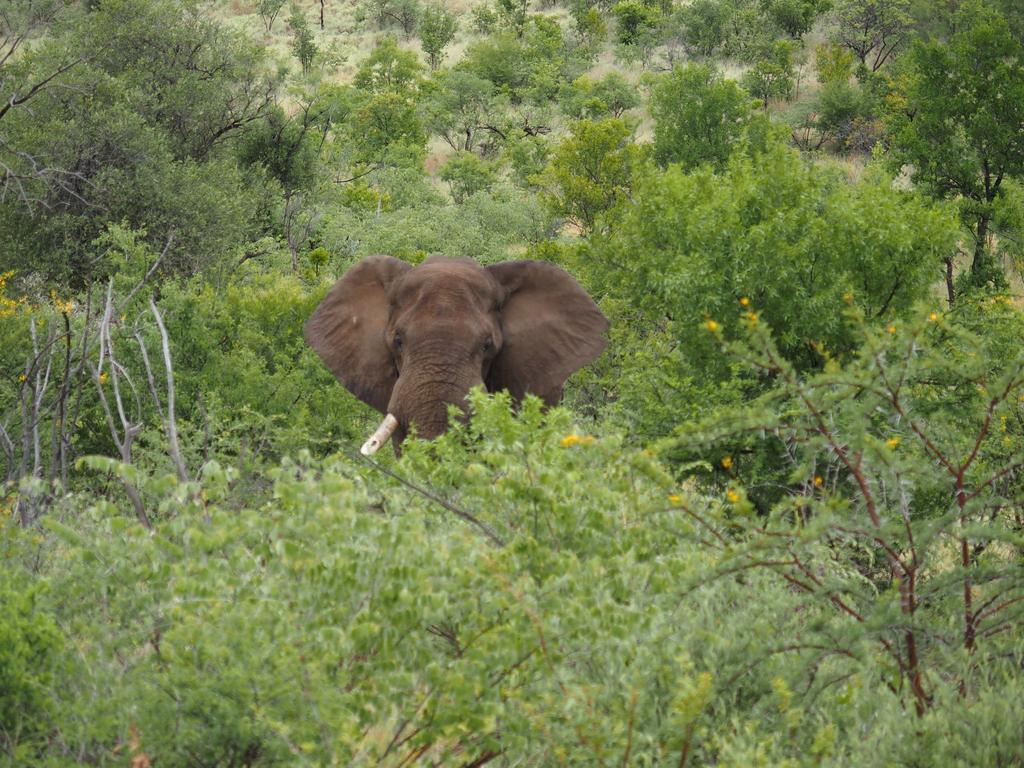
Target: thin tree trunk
[(979, 266), (950, 294), (172, 423)]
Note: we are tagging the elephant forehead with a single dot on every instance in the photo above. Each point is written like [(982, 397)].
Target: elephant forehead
[(447, 286)]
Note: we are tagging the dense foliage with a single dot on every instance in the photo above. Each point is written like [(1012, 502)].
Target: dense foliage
[(778, 522)]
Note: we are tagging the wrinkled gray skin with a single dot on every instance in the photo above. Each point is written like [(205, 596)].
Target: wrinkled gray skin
[(412, 341)]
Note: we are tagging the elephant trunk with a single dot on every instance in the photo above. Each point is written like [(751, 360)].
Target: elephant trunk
[(422, 396)]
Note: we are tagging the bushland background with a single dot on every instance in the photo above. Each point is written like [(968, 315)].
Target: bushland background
[(778, 522)]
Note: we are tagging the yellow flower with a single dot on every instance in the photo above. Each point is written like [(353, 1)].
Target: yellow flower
[(751, 319), (732, 496), (818, 481), (933, 316), (675, 498), (893, 442), (711, 325), (727, 462), (570, 440), (103, 377), (744, 302), (23, 378), (891, 329), (64, 307)]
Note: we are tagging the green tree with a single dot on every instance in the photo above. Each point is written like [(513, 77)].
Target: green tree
[(178, 69), (268, 11), (873, 30), (407, 14), (144, 132), (387, 130), (705, 25), (389, 68), (699, 116), (503, 60), (592, 170), (772, 74), (437, 30), (956, 119), (635, 21), (590, 24), (794, 17), (839, 112), (466, 174), (404, 13), (748, 32), (833, 63), (612, 95), (514, 15), (530, 70), (854, 432), (285, 146), (461, 108), (304, 47)]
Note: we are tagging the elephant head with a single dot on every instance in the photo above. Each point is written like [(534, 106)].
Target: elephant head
[(410, 341)]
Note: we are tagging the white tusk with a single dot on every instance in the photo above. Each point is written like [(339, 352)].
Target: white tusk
[(378, 438)]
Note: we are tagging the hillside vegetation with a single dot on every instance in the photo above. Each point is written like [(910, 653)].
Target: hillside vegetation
[(778, 522)]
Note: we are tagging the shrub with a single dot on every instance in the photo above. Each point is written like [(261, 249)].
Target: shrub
[(466, 175), (30, 644), (776, 231)]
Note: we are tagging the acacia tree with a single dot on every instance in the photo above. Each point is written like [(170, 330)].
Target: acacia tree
[(872, 29), (268, 11), (404, 13), (461, 108), (956, 119), (884, 486)]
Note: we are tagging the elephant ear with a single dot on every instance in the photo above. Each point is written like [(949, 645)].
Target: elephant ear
[(347, 330), (550, 327)]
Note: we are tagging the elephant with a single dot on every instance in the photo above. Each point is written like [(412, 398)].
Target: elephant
[(410, 341)]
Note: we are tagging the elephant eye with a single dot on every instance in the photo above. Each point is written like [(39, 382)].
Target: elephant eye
[(397, 342), (488, 346)]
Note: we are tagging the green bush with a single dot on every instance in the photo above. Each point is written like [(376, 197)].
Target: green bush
[(788, 236), (30, 645), (517, 587)]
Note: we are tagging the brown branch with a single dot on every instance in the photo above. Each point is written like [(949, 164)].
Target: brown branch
[(462, 514), (16, 101)]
